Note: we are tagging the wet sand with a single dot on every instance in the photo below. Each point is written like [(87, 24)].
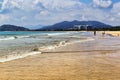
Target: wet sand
[(92, 60), (113, 33)]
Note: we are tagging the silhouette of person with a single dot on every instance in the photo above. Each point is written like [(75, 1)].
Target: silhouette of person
[(94, 33), (103, 33)]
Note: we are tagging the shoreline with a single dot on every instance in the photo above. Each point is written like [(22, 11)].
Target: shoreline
[(112, 33), (36, 51), (91, 60)]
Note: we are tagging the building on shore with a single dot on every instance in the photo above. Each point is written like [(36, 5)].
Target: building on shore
[(81, 27)]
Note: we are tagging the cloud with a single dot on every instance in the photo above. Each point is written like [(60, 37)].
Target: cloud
[(3, 18), (115, 13), (59, 4), (25, 5), (40, 4), (33, 11), (103, 3), (46, 12), (116, 8)]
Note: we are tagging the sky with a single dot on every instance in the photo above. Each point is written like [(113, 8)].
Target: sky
[(47, 12)]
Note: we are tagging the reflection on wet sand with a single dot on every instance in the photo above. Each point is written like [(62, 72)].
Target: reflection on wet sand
[(92, 60)]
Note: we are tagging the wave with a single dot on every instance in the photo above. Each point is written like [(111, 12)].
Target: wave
[(17, 56), (52, 47), (12, 38), (85, 40), (56, 34), (64, 43), (22, 36), (39, 50), (8, 38)]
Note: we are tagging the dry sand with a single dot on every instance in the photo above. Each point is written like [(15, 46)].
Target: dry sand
[(92, 60)]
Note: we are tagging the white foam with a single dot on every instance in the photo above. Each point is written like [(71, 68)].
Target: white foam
[(52, 47), (88, 39), (56, 34), (12, 38), (17, 56), (63, 43), (8, 38), (22, 36)]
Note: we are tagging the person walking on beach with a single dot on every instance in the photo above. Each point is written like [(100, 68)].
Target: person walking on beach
[(103, 33), (94, 33)]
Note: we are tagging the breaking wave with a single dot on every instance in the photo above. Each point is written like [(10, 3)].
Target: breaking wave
[(12, 38), (17, 56), (39, 50)]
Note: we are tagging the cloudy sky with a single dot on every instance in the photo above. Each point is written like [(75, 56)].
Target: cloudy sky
[(47, 12)]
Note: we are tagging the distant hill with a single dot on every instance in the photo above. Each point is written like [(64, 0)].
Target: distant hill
[(66, 25), (12, 28)]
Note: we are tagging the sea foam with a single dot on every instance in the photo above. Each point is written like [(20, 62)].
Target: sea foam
[(7, 38), (64, 43), (52, 47), (12, 38), (17, 56), (71, 38)]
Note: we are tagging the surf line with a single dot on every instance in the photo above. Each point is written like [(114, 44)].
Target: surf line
[(17, 56)]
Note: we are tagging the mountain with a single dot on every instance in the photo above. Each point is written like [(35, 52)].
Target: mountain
[(12, 28), (66, 25)]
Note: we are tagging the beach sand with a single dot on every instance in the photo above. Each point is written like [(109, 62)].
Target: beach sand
[(92, 60), (113, 33)]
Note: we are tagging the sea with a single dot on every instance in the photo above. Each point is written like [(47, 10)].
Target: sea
[(20, 44)]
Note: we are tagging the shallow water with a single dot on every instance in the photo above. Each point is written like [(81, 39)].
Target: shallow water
[(24, 43)]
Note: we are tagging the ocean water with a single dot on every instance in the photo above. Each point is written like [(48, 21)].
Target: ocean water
[(14, 45)]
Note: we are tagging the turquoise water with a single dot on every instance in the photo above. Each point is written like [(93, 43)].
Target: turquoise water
[(10, 35), (12, 43), (24, 33), (7, 33)]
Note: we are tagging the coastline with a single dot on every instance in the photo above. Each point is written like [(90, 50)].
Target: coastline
[(112, 33), (91, 60), (36, 50), (32, 49)]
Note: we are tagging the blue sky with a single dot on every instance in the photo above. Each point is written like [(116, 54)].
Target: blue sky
[(47, 12)]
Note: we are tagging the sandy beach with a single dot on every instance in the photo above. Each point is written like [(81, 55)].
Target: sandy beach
[(113, 33), (91, 60)]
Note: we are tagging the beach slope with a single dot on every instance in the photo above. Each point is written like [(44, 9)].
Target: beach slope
[(91, 60)]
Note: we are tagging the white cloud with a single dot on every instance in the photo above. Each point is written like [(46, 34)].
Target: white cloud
[(46, 12), (25, 5), (116, 8), (40, 4), (103, 3), (33, 10), (3, 18), (59, 4), (115, 13)]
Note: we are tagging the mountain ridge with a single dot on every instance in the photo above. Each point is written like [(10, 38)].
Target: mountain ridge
[(65, 25), (8, 27)]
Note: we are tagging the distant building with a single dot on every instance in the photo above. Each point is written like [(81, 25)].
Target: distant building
[(81, 27)]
